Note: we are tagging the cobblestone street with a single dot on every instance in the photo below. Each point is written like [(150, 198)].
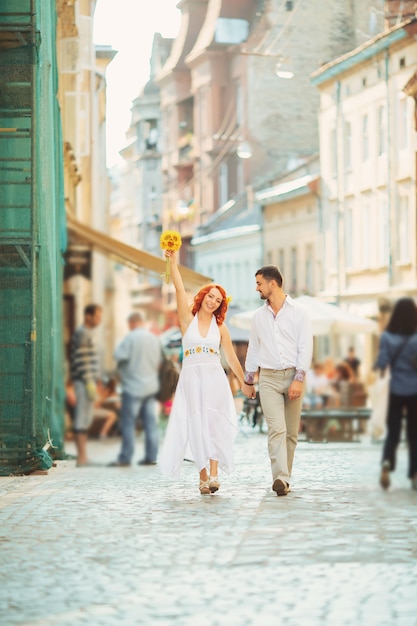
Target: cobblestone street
[(106, 546)]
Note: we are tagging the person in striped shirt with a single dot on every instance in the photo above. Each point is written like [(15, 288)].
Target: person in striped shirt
[(84, 367)]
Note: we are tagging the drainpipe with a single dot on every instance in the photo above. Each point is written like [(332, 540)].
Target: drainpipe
[(320, 224), (338, 190), (389, 183)]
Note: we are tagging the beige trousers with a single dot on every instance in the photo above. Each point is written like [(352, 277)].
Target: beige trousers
[(282, 417)]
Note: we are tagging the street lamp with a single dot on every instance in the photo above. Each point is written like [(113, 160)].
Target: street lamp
[(283, 69), (243, 150)]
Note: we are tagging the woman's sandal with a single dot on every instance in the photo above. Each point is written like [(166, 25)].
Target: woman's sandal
[(214, 484), (204, 487)]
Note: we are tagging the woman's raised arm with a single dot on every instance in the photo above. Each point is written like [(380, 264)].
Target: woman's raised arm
[(184, 312)]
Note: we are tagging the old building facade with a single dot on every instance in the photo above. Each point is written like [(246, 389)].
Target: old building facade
[(368, 169), (231, 124)]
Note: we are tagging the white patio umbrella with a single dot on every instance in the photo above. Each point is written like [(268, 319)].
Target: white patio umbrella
[(325, 318)]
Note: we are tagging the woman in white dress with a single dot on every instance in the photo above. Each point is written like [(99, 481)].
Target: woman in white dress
[(203, 418)]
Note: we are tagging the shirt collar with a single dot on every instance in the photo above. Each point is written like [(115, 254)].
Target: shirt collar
[(288, 300)]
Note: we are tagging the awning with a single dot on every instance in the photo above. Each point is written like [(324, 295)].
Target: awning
[(128, 255)]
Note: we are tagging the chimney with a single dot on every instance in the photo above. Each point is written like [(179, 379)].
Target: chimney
[(397, 11)]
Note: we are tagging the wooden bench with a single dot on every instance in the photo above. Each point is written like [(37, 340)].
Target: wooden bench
[(341, 424)]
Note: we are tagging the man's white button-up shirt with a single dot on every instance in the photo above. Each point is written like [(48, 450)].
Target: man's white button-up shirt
[(280, 341)]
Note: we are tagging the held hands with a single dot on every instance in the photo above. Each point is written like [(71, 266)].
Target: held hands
[(249, 391), (295, 390)]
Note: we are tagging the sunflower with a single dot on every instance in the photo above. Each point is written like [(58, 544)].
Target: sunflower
[(170, 240)]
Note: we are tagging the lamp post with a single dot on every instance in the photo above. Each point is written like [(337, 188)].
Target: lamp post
[(244, 150)]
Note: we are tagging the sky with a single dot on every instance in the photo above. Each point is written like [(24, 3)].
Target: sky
[(129, 27)]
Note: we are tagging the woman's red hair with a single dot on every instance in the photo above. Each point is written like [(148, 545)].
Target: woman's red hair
[(219, 313)]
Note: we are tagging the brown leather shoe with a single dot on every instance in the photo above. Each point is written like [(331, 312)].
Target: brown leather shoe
[(281, 487)]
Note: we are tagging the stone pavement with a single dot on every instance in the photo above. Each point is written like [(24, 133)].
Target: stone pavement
[(124, 546)]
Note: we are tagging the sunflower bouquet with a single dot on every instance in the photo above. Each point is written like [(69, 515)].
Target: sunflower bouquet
[(170, 240)]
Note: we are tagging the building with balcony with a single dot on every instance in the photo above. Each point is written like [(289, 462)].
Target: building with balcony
[(368, 175), (368, 170), (231, 124)]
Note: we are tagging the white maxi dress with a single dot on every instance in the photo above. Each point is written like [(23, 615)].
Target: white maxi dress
[(203, 417)]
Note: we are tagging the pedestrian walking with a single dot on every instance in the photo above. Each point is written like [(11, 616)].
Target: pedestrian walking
[(281, 348), (138, 356), (353, 361), (84, 369), (398, 351), (203, 417)]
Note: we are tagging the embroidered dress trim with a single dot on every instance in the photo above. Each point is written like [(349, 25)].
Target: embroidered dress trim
[(200, 350)]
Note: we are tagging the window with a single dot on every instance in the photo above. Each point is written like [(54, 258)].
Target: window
[(382, 130), (309, 269), (75, 121), (239, 104), (150, 134), (203, 116), (334, 237), (281, 258), (228, 268), (240, 176), (402, 124), (333, 152), (349, 236), (373, 213), (69, 55), (231, 30), (366, 232), (238, 269), (223, 183), (348, 145), (87, 52), (171, 136), (185, 117), (403, 226), (382, 249), (365, 138), (294, 270)]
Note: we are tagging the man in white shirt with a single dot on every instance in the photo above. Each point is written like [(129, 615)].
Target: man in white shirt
[(138, 357), (281, 348)]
